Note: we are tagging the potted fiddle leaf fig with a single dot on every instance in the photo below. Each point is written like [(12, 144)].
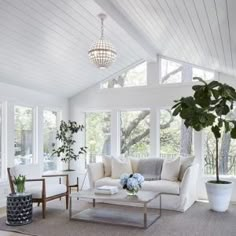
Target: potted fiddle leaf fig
[(210, 106), (65, 135)]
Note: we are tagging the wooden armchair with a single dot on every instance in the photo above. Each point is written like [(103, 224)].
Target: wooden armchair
[(42, 191)]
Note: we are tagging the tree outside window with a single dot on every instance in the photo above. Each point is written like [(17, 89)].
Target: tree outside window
[(50, 120), (98, 135), (23, 135), (227, 152), (175, 138), (135, 133), (171, 72), (137, 76)]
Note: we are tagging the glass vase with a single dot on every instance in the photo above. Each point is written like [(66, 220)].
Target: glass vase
[(20, 188), (133, 192)]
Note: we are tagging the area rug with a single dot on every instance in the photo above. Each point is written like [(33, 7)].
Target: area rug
[(198, 220)]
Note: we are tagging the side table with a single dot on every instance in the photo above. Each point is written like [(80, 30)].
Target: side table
[(19, 209)]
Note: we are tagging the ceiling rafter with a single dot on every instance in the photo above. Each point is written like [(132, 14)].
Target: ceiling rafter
[(127, 26)]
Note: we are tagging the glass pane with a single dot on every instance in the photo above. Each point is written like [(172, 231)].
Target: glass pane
[(204, 74), (136, 76), (49, 139), (169, 134), (135, 133), (23, 135), (227, 152), (1, 141), (171, 72), (98, 135)]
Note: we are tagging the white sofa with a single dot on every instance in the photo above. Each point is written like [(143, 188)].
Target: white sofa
[(176, 195)]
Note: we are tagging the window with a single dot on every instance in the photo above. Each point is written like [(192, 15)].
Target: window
[(50, 120), (1, 166), (23, 135), (98, 135), (136, 76), (175, 138), (135, 133), (204, 74), (227, 152), (171, 72)]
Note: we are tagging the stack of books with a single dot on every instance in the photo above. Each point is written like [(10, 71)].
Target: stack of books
[(109, 190)]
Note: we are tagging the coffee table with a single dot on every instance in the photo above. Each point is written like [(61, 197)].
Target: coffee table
[(128, 216)]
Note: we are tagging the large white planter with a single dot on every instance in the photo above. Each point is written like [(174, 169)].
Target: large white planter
[(219, 195)]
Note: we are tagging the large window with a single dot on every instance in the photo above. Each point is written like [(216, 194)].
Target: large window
[(136, 76), (171, 72), (23, 135), (1, 159), (227, 152), (98, 135), (204, 74), (175, 138), (135, 133), (50, 120)]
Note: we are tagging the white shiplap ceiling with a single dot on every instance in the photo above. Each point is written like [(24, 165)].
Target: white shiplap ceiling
[(201, 32), (44, 43)]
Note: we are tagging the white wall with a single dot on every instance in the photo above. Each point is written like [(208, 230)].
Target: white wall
[(13, 95), (153, 96)]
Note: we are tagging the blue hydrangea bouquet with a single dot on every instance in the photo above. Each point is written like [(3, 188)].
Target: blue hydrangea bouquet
[(132, 182)]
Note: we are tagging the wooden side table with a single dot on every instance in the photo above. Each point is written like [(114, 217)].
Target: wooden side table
[(19, 209)]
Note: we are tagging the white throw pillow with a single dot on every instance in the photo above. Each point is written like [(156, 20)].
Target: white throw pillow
[(120, 166), (170, 170), (134, 163), (107, 165)]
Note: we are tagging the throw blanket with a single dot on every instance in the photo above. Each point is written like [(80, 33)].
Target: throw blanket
[(150, 168)]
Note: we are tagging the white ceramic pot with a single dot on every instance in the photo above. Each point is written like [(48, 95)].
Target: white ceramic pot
[(219, 195)]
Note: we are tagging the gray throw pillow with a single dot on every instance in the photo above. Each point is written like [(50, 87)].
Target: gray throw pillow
[(150, 168)]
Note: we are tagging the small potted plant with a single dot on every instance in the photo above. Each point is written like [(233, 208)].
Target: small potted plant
[(19, 182), (132, 183), (210, 106)]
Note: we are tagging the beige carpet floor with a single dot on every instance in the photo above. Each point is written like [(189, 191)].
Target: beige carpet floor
[(198, 220)]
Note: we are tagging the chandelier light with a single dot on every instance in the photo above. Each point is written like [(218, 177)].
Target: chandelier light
[(102, 53)]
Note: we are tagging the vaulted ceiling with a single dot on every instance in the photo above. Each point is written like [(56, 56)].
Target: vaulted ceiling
[(44, 43)]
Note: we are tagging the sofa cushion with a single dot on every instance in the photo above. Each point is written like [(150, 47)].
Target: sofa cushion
[(120, 166), (186, 162), (170, 169), (150, 168), (107, 165), (108, 181), (162, 186)]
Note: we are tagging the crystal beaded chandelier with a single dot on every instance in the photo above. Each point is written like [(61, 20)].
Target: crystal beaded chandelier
[(102, 53)]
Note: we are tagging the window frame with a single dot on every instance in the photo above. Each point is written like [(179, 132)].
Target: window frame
[(215, 77), (187, 69), (123, 71)]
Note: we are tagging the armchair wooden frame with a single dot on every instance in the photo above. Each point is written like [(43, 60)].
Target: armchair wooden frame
[(43, 199)]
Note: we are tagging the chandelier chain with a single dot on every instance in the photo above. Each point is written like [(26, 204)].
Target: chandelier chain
[(102, 28)]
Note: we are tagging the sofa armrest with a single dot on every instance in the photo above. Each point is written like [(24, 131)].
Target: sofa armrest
[(189, 182), (95, 172)]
